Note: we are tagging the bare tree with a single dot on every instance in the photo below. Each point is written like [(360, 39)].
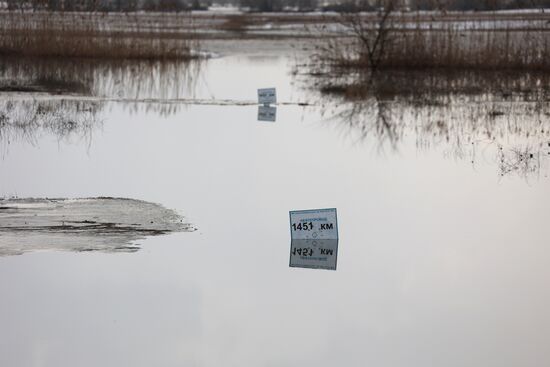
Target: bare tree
[(373, 37)]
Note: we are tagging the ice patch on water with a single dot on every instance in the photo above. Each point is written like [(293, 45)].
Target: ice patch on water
[(87, 224)]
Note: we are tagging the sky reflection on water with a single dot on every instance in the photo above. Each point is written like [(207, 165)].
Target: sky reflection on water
[(439, 262)]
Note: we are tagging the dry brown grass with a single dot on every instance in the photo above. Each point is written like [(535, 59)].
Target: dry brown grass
[(451, 48), (94, 35), (237, 23), (447, 47)]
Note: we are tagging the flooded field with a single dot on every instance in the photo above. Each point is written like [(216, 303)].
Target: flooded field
[(441, 182)]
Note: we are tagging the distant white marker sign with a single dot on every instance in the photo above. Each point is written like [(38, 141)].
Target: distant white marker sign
[(267, 96), (314, 239)]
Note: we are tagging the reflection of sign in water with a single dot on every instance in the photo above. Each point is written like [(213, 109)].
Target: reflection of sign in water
[(267, 113), (314, 235), (267, 96), (314, 254)]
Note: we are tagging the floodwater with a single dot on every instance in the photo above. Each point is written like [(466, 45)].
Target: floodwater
[(442, 207)]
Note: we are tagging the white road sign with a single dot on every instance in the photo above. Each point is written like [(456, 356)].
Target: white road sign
[(267, 113), (314, 224), (267, 96), (314, 239)]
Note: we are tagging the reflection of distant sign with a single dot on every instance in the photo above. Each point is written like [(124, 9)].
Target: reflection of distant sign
[(267, 96), (267, 113), (314, 235)]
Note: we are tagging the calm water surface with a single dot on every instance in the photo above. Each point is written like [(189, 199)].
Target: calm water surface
[(443, 257)]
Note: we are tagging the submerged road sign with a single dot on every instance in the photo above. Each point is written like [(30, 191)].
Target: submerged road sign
[(314, 239), (267, 96)]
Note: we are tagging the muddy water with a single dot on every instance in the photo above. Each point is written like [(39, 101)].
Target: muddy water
[(442, 254)]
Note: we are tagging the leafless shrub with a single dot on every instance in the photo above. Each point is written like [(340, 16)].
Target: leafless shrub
[(373, 39), (393, 40)]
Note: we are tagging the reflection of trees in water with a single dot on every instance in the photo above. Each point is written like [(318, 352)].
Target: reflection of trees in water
[(433, 86), (370, 118), (502, 119), (28, 121), (160, 107), (134, 83), (523, 160), (85, 87), (129, 81)]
